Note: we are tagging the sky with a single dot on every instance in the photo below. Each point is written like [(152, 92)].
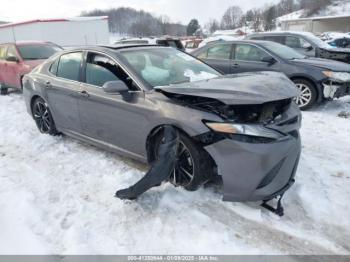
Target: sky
[(178, 10)]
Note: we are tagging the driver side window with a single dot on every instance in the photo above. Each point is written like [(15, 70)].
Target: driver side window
[(245, 52), (101, 69)]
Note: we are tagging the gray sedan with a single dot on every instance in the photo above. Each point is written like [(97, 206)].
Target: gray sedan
[(244, 128), (317, 78)]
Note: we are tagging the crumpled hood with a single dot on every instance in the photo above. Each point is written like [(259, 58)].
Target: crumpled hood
[(324, 63), (238, 89), (337, 49)]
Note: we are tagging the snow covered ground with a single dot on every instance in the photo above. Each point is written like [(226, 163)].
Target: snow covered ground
[(56, 196)]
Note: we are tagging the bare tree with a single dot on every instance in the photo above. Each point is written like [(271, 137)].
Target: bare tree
[(314, 6), (269, 16), (257, 20), (231, 18), (212, 25)]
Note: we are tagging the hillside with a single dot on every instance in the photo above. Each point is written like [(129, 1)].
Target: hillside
[(131, 22), (340, 7)]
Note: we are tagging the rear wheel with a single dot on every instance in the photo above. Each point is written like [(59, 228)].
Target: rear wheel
[(194, 166), (308, 94), (43, 117)]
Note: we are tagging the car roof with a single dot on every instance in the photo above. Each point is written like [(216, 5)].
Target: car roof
[(115, 47), (244, 41), (282, 33), (26, 43)]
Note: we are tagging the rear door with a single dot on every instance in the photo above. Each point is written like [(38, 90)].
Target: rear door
[(115, 119), (218, 56), (248, 58), (62, 90)]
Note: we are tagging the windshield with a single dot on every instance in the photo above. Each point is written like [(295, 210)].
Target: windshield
[(36, 52), (166, 66), (282, 51), (317, 41)]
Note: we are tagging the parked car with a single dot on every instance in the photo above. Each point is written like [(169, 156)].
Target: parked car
[(164, 41), (317, 79), (192, 44), (343, 42), (305, 43), (18, 59), (244, 128)]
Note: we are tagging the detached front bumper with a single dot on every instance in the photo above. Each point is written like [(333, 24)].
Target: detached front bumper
[(259, 171)]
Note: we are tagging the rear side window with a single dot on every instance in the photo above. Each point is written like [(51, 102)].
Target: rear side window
[(275, 38), (69, 66), (258, 38), (11, 51), (54, 67), (100, 69), (220, 51), (2, 52)]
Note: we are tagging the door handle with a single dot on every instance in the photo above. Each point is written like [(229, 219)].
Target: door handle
[(84, 93), (48, 84), (235, 65)]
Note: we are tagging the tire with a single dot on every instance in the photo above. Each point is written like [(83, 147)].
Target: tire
[(308, 97), (43, 117), (3, 90), (194, 159)]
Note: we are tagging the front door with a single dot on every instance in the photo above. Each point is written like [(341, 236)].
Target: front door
[(301, 45), (115, 119), (248, 58), (219, 57)]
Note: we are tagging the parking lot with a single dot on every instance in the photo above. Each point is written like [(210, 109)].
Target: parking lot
[(57, 194)]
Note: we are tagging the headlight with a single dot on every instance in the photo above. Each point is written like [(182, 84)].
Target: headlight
[(243, 129), (338, 76)]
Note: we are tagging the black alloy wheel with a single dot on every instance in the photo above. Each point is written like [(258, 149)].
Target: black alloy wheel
[(43, 117)]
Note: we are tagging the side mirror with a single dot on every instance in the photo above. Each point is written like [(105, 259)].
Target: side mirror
[(12, 59), (115, 87), (307, 46), (268, 59)]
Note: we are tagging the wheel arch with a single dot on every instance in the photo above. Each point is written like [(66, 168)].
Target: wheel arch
[(152, 136), (312, 81), (32, 100)]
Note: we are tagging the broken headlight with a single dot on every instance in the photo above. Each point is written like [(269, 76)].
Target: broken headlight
[(244, 129), (338, 76)]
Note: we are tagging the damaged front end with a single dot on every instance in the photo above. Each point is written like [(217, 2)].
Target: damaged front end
[(256, 147), (336, 85), (338, 54)]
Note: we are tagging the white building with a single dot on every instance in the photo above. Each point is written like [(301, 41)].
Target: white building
[(64, 32), (318, 25)]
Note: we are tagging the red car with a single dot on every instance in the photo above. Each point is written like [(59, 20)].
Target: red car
[(18, 59)]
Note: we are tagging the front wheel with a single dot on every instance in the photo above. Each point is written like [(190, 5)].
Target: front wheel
[(308, 94), (43, 117), (194, 166), (3, 90)]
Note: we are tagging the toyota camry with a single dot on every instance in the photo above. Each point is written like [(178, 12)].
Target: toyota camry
[(243, 127)]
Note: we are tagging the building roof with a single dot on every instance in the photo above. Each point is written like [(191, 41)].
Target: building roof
[(317, 18), (53, 20)]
